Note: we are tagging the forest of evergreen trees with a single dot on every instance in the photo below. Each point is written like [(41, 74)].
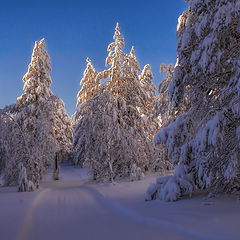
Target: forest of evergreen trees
[(122, 128)]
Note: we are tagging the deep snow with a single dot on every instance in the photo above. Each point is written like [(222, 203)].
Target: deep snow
[(76, 208)]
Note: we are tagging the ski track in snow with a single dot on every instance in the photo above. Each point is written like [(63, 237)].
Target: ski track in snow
[(76, 209), (121, 210)]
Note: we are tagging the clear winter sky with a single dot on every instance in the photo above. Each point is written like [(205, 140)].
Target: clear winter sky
[(78, 29)]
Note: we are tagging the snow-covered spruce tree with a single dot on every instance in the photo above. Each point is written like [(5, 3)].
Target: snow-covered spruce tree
[(89, 84), (91, 136), (13, 145), (204, 142), (24, 184), (151, 113), (37, 92), (2, 148), (22, 178), (111, 135), (164, 114), (163, 104), (41, 118), (148, 111), (83, 117)]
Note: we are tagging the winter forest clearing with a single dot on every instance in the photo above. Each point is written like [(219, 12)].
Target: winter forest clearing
[(116, 168)]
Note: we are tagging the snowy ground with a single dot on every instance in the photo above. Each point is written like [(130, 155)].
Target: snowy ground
[(74, 208)]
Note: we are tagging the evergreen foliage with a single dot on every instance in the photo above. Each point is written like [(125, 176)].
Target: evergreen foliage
[(203, 142), (37, 126), (111, 134)]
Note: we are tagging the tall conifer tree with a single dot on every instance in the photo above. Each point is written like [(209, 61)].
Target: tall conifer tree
[(203, 142), (111, 135), (40, 121)]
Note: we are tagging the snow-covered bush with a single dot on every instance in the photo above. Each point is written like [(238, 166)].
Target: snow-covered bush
[(24, 185), (136, 173), (203, 142)]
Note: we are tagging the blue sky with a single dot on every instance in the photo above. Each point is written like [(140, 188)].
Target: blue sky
[(75, 30)]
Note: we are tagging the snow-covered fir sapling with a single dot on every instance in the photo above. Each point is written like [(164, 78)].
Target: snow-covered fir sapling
[(24, 184), (155, 113), (136, 173), (203, 142), (22, 178)]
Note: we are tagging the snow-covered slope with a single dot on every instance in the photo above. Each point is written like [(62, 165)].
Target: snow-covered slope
[(75, 208)]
